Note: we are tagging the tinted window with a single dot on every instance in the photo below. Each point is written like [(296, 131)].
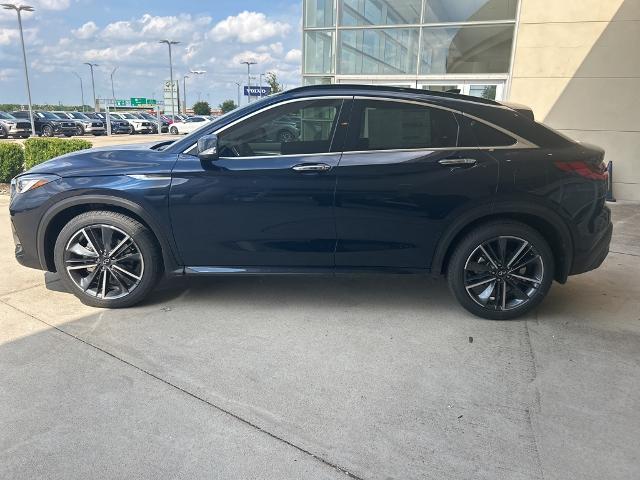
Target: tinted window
[(478, 134), (388, 125), (20, 114)]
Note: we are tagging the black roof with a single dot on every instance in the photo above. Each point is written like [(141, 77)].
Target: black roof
[(357, 88)]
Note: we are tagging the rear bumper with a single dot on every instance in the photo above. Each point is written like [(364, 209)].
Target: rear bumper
[(591, 257)]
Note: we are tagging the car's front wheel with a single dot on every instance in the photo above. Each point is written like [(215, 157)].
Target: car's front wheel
[(501, 270), (107, 259), (174, 130)]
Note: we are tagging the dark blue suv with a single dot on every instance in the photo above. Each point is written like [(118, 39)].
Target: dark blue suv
[(367, 179)]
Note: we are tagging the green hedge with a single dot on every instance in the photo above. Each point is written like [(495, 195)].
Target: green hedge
[(11, 161), (38, 150)]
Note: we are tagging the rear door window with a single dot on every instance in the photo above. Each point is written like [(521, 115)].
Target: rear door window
[(393, 125)]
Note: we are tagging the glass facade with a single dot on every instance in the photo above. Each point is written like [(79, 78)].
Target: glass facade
[(421, 42)]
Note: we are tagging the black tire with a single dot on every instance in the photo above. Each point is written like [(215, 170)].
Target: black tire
[(47, 131), (3, 132), (141, 248), (507, 292), (132, 131), (79, 130), (174, 130)]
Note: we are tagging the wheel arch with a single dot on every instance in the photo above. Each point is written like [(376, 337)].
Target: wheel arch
[(544, 220), (58, 215)]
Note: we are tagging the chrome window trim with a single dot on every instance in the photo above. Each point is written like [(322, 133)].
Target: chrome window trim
[(269, 107)]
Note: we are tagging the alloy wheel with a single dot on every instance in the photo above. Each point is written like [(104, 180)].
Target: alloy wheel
[(104, 262), (503, 273)]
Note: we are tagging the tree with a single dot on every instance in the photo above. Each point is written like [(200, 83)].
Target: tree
[(201, 108), (227, 106), (272, 81)]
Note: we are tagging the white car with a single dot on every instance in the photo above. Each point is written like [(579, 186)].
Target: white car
[(189, 125), (138, 125)]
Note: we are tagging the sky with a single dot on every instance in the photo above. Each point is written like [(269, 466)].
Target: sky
[(215, 35)]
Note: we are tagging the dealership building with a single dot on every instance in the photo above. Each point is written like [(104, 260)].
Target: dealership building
[(573, 61)]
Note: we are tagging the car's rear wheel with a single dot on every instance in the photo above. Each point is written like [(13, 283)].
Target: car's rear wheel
[(107, 259), (501, 270), (174, 130)]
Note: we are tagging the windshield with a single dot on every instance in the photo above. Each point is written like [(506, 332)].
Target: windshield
[(60, 115), (127, 115), (48, 115), (6, 116), (79, 116)]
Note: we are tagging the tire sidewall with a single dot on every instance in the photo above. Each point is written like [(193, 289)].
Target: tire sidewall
[(455, 271), (138, 232)]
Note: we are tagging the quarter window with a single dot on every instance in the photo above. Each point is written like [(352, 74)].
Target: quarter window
[(303, 127), (388, 125)]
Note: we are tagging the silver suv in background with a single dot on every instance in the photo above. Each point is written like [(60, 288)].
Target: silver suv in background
[(11, 126), (84, 123)]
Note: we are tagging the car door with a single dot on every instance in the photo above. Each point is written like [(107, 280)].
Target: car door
[(402, 178), (263, 203)]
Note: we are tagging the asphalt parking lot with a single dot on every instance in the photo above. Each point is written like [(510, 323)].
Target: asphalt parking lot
[(311, 378)]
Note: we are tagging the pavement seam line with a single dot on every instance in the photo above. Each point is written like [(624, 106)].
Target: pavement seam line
[(192, 395)]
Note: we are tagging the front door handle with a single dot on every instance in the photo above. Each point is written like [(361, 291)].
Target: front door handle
[(458, 162), (312, 167)]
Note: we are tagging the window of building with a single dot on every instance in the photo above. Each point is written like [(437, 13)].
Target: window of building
[(318, 52), (391, 51), (468, 49), (389, 125), (379, 12), (317, 80), (303, 127), (319, 13), (442, 11)]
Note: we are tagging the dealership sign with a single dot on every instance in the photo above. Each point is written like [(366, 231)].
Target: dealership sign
[(257, 91)]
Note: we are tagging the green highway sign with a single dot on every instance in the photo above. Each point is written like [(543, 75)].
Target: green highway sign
[(135, 101)]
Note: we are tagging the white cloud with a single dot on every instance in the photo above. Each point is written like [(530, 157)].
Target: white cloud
[(50, 4), (293, 56), (248, 27), (85, 31)]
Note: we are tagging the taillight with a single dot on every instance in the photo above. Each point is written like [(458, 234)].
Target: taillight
[(592, 171)]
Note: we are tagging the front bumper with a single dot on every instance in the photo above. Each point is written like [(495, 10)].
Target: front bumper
[(17, 131)]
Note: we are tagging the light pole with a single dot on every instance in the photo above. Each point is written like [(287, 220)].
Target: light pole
[(173, 102), (248, 63), (93, 83), (113, 92), (238, 85), (197, 72), (18, 9), (261, 75), (81, 88), (184, 93)]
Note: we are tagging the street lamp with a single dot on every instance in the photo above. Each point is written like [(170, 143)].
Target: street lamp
[(184, 93), (173, 103), (113, 92), (261, 75), (93, 83), (18, 9), (197, 72), (81, 88), (248, 63)]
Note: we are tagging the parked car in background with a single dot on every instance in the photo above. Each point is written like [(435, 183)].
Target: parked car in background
[(380, 179), (164, 124), (84, 123), (47, 124), (139, 125), (11, 126), (117, 125), (189, 125)]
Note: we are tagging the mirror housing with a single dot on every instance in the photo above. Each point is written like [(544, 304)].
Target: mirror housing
[(208, 147)]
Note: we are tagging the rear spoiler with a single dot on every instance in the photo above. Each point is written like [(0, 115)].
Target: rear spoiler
[(521, 109)]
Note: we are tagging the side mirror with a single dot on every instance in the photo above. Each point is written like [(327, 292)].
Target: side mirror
[(208, 147)]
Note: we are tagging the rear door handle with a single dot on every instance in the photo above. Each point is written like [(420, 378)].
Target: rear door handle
[(312, 167), (458, 162)]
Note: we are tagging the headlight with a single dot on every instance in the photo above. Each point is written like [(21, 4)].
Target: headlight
[(28, 182), (87, 124)]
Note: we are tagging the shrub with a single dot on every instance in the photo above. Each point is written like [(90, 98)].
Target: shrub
[(38, 150), (11, 161)]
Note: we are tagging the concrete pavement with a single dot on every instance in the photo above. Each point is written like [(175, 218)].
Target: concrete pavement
[(381, 377)]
